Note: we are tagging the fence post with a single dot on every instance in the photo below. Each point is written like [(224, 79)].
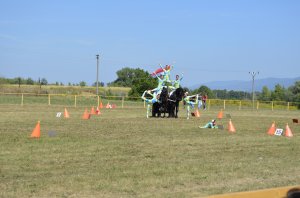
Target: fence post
[(257, 105), (240, 107), (22, 100), (224, 105), (288, 106), (49, 100), (208, 107), (122, 102), (272, 105), (98, 101), (75, 101)]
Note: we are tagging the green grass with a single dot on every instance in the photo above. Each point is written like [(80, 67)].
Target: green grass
[(122, 154)]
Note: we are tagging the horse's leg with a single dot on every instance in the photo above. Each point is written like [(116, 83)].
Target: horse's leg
[(176, 109)]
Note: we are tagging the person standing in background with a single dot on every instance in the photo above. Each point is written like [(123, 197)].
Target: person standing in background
[(204, 99)]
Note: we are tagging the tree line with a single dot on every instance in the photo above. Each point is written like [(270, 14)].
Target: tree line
[(42, 81), (139, 81)]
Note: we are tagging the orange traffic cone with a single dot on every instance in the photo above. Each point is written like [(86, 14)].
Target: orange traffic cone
[(272, 129), (93, 111), (231, 127), (288, 132), (66, 114), (98, 111), (101, 105), (197, 113), (36, 133), (86, 115), (220, 114)]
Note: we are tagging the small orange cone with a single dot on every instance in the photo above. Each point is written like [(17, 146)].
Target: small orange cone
[(36, 133), (231, 127), (98, 111), (86, 115), (288, 132), (107, 105), (220, 114), (197, 113), (101, 105), (93, 112), (272, 129), (66, 114)]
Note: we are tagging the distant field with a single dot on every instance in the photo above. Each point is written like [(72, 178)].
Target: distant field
[(53, 89), (122, 154)]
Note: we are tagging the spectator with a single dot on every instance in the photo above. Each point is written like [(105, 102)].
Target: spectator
[(204, 99)]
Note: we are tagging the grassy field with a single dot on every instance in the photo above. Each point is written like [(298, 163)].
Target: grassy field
[(55, 89), (122, 154)]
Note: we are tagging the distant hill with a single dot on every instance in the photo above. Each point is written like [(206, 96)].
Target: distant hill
[(239, 85)]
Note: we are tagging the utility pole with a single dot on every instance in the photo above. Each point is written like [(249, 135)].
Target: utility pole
[(253, 74), (97, 81)]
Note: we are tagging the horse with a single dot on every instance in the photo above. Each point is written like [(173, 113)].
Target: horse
[(173, 102), (163, 99), (161, 106)]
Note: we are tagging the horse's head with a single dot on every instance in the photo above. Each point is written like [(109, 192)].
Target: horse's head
[(164, 94), (179, 92)]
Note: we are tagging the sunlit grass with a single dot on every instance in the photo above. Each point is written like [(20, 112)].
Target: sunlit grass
[(122, 154)]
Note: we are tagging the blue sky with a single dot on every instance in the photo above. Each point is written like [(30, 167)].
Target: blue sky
[(205, 40)]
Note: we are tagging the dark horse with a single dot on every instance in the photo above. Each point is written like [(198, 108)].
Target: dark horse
[(162, 105), (173, 102)]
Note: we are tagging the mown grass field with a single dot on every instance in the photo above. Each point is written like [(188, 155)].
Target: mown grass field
[(122, 154)]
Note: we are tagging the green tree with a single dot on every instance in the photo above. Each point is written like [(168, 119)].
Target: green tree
[(205, 90), (265, 94), (82, 84), (100, 84), (142, 81), (29, 81), (295, 91), (44, 81), (278, 94), (126, 76), (220, 94)]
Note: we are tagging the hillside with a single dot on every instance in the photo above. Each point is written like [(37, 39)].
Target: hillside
[(239, 85)]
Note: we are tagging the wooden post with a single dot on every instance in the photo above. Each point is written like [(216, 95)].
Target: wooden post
[(208, 106), (224, 105), (122, 102), (49, 100), (288, 106), (98, 101), (75, 101), (272, 105), (257, 105), (240, 107), (22, 100)]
